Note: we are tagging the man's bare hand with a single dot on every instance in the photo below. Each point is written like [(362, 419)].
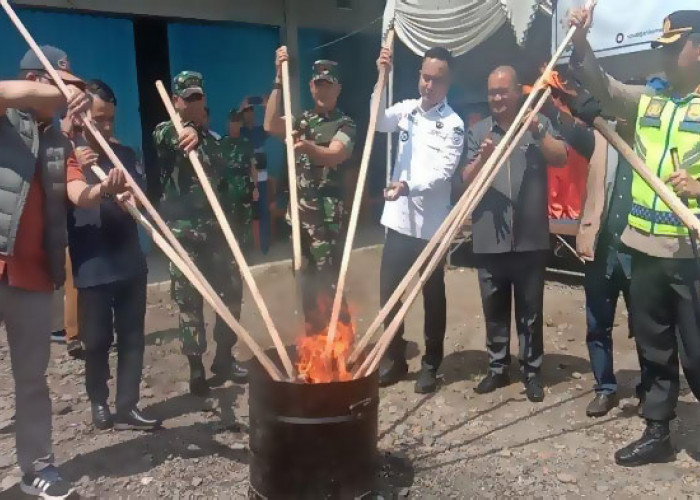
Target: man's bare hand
[(303, 146), (115, 183), (78, 101), (684, 184), (189, 139), (385, 60), (282, 55), (395, 190), (486, 150), (86, 156), (582, 19)]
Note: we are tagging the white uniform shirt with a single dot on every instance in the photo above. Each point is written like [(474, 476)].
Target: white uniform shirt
[(430, 146)]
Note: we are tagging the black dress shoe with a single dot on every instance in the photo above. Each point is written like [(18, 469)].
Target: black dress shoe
[(653, 447), (198, 379), (392, 371), (135, 420), (491, 382), (101, 416), (533, 389), (427, 380), (601, 405), (230, 369)]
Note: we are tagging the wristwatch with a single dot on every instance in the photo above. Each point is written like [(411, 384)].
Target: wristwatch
[(539, 135)]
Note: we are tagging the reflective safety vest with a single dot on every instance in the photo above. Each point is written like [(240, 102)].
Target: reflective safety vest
[(663, 124)]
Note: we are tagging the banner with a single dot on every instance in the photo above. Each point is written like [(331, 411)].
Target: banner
[(619, 26)]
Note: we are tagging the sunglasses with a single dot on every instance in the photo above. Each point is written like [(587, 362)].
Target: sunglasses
[(193, 98)]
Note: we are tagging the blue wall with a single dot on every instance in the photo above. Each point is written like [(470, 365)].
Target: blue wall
[(236, 60), (97, 47)]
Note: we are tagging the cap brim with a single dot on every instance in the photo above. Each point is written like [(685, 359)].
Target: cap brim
[(325, 79), (669, 38), (70, 78), (191, 91)]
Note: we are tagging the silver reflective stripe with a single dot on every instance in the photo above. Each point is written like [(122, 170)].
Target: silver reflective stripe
[(691, 157), (639, 147)]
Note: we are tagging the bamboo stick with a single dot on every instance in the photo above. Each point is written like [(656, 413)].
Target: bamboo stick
[(291, 168), (356, 204), (230, 238), (215, 302), (442, 230), (382, 345)]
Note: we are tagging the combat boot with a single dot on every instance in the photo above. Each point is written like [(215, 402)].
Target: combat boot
[(198, 379)]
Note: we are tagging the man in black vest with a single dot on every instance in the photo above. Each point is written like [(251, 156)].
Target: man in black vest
[(33, 158)]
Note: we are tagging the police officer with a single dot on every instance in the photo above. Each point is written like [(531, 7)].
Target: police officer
[(431, 140), (324, 140), (193, 222), (664, 286)]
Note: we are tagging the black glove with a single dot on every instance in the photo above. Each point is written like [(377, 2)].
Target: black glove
[(585, 107)]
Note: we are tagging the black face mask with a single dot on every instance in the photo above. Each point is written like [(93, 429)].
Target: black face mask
[(193, 98)]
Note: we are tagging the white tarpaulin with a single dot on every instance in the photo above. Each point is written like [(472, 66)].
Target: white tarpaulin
[(620, 26), (459, 25)]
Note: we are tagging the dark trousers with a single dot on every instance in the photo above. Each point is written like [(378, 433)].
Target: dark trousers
[(606, 278), (119, 307), (666, 322), (400, 253), (502, 277)]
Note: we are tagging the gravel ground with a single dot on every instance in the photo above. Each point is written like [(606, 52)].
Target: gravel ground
[(451, 444)]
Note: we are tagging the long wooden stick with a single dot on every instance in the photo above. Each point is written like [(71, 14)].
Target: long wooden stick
[(291, 168), (442, 230), (357, 202), (215, 302), (380, 348), (230, 238), (207, 291), (665, 193)]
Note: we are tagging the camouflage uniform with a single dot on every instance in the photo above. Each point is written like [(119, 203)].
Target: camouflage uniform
[(238, 186), (321, 211), (192, 220)]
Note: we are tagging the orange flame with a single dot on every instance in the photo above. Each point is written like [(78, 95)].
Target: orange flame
[(315, 365)]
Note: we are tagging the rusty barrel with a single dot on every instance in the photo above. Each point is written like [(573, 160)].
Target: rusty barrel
[(312, 441)]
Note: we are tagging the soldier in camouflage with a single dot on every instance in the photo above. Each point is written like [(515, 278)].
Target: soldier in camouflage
[(239, 181), (324, 140), (192, 220)]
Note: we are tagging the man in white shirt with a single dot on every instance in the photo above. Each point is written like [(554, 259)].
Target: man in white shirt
[(431, 140)]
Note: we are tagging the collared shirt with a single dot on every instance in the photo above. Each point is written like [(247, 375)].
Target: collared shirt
[(430, 146), (103, 240), (618, 99), (513, 214)]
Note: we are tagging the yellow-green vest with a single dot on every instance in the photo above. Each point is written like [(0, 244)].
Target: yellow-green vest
[(663, 124)]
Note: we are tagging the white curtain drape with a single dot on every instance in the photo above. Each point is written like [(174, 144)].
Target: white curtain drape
[(459, 25)]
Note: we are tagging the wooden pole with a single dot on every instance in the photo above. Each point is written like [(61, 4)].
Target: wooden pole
[(442, 230), (665, 193), (230, 238), (291, 168), (140, 196), (214, 300), (380, 348), (357, 202)]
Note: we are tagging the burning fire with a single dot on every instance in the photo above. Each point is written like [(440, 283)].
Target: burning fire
[(315, 366)]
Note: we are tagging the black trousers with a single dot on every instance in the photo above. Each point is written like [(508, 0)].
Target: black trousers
[(666, 322), (502, 277), (400, 252), (119, 307)]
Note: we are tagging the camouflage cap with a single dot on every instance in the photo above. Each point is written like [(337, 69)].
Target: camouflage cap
[(326, 70), (188, 83)]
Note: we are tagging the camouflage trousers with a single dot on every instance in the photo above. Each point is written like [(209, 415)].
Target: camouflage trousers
[(321, 222), (214, 259)]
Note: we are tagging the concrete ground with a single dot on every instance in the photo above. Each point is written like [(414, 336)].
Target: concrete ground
[(451, 444)]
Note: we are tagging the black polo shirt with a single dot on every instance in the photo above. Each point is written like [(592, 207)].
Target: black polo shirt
[(512, 216)]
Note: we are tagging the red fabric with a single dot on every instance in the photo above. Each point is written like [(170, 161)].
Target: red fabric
[(567, 187), (28, 268)]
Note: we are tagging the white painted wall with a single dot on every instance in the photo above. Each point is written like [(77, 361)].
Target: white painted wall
[(310, 13)]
